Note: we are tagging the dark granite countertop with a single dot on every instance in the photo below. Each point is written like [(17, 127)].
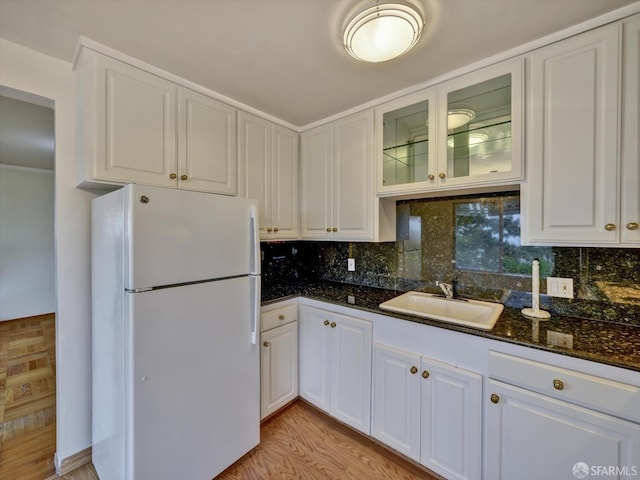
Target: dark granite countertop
[(604, 342)]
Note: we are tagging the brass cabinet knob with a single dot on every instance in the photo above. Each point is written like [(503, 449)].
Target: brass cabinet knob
[(275, 229), (414, 370), (269, 229), (495, 398), (610, 227), (431, 176), (173, 176), (425, 374), (326, 322), (281, 317), (334, 229), (333, 324), (632, 226), (328, 229), (558, 384), (442, 175), (265, 343), (183, 177)]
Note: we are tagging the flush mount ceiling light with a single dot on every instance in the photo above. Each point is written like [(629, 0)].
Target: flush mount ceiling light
[(459, 117), (382, 32)]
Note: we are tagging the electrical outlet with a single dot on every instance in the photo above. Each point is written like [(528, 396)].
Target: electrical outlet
[(559, 339), (351, 264), (560, 287)]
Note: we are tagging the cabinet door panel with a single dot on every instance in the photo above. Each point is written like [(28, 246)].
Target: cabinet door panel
[(279, 367), (254, 150), (570, 194), (531, 436), (451, 420), (396, 400), (207, 144), (353, 176), (351, 372), (315, 357), (284, 182), (631, 133), (136, 111), (315, 182)]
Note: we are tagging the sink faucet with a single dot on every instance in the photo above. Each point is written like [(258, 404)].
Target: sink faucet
[(450, 290), (446, 288)]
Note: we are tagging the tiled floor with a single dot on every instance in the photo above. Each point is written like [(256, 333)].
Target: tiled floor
[(27, 398)]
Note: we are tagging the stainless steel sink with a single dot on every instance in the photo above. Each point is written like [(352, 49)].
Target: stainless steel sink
[(470, 313)]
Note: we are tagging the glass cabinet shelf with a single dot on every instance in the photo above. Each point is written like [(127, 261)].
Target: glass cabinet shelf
[(479, 150)]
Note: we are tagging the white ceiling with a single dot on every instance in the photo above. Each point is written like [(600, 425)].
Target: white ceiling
[(284, 57)]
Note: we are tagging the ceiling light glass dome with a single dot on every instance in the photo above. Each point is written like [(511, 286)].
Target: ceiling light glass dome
[(383, 32)]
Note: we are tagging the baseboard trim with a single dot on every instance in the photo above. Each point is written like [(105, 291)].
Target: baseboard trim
[(73, 462)]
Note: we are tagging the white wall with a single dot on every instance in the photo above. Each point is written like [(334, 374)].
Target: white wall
[(33, 72), (27, 276)]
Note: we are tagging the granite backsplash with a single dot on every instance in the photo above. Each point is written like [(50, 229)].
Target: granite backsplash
[(476, 241)]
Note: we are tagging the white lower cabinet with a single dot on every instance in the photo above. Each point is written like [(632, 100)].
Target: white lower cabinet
[(429, 411), (278, 359), (335, 365), (554, 423)]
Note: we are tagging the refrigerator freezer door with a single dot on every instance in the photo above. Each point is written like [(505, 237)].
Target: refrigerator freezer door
[(177, 236), (195, 383)]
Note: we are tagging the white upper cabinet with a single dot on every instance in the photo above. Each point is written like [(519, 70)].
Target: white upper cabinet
[(207, 158), (337, 175), (571, 196), (630, 179), (462, 133), (268, 165), (137, 127)]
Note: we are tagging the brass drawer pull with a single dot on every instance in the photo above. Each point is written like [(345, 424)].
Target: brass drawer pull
[(425, 374), (183, 177), (275, 229), (442, 175), (173, 176), (326, 322), (333, 324), (495, 398), (281, 317), (265, 343), (413, 370), (610, 227), (558, 384), (632, 226), (431, 176)]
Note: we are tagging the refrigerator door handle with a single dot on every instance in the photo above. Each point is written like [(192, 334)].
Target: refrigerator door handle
[(255, 309), (255, 242)]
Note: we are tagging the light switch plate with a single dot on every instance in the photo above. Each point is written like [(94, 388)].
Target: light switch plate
[(560, 287), (351, 264)]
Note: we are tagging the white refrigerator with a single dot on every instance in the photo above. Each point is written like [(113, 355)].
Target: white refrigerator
[(176, 298)]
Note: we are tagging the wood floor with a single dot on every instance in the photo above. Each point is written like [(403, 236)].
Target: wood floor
[(298, 443), (27, 398), (302, 443)]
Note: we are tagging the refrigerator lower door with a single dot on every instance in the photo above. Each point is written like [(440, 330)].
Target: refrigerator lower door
[(195, 385)]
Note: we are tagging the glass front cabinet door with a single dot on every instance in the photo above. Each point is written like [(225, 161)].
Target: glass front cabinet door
[(464, 132)]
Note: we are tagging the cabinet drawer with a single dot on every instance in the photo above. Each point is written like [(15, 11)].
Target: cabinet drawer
[(610, 396), (279, 316)]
